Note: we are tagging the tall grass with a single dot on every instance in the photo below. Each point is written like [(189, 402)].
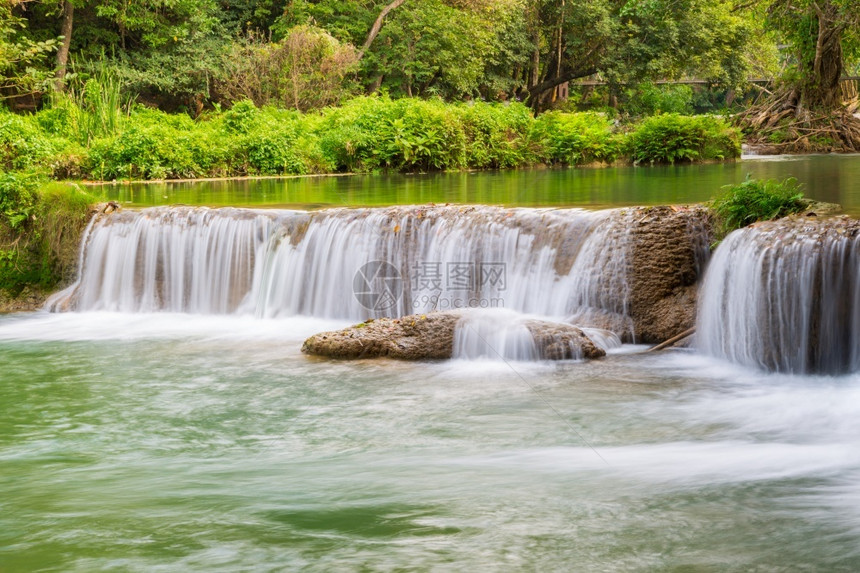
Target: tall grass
[(93, 106)]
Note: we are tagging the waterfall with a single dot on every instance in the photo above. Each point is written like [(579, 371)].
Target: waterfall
[(354, 263), (500, 335), (785, 296)]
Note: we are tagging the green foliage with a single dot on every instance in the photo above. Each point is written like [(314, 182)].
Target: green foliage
[(37, 216), (756, 200), (575, 138), (240, 117), (365, 134), (672, 138), (380, 133), (93, 106), (371, 133), (650, 99), (153, 147), (23, 144), (17, 198), (496, 135), (23, 59)]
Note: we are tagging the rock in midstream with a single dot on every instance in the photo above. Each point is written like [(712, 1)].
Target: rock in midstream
[(431, 336)]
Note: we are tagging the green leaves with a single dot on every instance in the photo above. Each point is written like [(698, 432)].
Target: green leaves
[(756, 200), (673, 138)]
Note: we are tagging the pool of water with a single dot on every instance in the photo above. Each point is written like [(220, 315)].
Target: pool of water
[(831, 178), (179, 443)]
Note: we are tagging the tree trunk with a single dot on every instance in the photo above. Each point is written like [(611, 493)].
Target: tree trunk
[(536, 92), (63, 52), (820, 88), (377, 26)]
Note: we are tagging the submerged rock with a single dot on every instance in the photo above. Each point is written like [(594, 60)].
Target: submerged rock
[(432, 336), (559, 341)]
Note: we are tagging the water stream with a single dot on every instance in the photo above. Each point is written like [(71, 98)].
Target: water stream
[(166, 420), (149, 442)]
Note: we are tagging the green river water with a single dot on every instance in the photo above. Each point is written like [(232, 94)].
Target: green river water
[(163, 442), (830, 178)]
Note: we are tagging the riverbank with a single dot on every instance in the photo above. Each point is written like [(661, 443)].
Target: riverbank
[(366, 134), (41, 225)]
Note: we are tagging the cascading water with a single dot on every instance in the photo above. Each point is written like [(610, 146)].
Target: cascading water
[(284, 263), (785, 296), (178, 260), (500, 334)]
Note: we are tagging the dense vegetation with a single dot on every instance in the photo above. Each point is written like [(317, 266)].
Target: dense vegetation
[(308, 53), (363, 134), (756, 200), (39, 230)]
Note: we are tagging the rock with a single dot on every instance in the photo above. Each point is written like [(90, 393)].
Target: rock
[(652, 260), (414, 337), (27, 300), (670, 249), (431, 337), (559, 341)]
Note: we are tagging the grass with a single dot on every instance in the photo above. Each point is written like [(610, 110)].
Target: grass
[(40, 231), (740, 205)]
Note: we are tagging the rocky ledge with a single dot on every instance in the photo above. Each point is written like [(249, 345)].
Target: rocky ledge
[(431, 336)]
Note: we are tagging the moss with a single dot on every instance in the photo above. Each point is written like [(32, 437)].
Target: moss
[(40, 253)]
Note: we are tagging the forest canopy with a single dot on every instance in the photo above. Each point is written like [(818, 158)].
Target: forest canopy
[(307, 54)]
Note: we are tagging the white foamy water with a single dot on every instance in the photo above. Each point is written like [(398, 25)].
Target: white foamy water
[(555, 263), (784, 296)]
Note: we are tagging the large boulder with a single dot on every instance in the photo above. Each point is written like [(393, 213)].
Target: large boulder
[(414, 337), (667, 250), (652, 259), (431, 336), (666, 261)]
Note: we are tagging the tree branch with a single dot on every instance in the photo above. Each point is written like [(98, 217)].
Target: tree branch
[(377, 26), (545, 85)]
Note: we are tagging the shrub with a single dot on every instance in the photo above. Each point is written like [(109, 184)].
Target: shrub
[(308, 69), (155, 145), (17, 198), (575, 138), (496, 135), (756, 200), (240, 118), (23, 144), (649, 99), (672, 138), (38, 219), (370, 133)]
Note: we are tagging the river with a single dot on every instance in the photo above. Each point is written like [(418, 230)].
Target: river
[(139, 441), (829, 178)]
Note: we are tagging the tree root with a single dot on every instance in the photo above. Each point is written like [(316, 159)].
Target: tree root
[(779, 125)]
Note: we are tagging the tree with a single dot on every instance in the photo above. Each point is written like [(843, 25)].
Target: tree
[(806, 112), (308, 69), (627, 41), (22, 68), (820, 33)]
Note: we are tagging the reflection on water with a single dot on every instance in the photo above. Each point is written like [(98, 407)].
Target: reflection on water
[(831, 178), (172, 442)]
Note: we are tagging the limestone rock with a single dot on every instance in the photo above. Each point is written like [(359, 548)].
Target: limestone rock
[(431, 336)]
